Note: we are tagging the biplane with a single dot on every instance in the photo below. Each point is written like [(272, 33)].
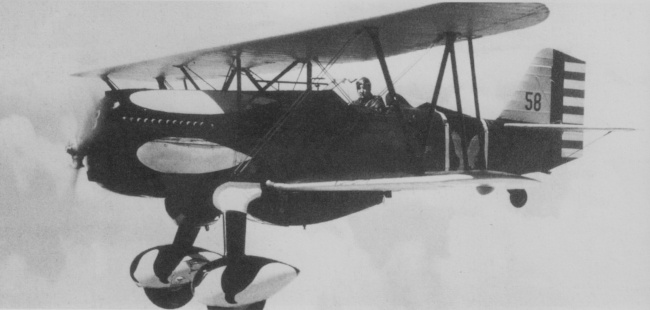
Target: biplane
[(302, 157)]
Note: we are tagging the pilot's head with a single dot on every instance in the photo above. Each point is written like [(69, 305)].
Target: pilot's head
[(364, 87)]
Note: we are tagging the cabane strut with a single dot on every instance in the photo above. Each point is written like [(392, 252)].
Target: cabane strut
[(188, 77), (373, 33)]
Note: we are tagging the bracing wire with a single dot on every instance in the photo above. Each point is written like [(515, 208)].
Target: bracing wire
[(259, 77), (298, 78), (404, 72), (336, 85), (204, 81), (339, 53), (267, 137), (590, 143), (276, 127)]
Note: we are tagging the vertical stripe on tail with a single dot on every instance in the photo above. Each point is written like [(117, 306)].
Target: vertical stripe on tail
[(568, 100)]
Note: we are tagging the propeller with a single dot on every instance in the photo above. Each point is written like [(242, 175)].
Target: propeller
[(83, 121), (76, 165)]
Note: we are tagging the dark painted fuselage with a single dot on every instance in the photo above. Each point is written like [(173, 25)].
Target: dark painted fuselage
[(297, 136)]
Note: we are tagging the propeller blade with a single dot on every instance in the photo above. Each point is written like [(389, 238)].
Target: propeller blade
[(81, 130)]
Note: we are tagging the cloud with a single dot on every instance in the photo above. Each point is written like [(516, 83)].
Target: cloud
[(64, 240)]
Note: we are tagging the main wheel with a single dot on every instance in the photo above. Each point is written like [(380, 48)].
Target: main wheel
[(166, 272), (170, 297), (518, 197)]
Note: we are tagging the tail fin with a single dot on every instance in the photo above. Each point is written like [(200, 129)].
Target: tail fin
[(552, 92)]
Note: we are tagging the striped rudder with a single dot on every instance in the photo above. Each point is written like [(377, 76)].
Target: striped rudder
[(552, 92), (568, 97)]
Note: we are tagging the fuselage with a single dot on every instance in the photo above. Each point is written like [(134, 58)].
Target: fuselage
[(181, 148)]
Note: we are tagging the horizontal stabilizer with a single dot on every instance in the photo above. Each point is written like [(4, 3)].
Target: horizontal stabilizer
[(564, 127), (431, 181)]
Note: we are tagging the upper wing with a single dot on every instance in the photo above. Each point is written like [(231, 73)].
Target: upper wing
[(399, 33), (439, 180)]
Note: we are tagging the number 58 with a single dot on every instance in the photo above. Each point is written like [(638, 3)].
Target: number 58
[(534, 101)]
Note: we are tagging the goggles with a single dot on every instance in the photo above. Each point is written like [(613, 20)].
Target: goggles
[(364, 85)]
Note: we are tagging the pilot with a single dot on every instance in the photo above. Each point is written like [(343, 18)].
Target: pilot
[(366, 98)]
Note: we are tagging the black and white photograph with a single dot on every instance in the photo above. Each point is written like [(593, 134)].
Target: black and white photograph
[(278, 154)]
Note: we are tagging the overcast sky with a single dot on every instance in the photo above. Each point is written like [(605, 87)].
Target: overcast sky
[(582, 241)]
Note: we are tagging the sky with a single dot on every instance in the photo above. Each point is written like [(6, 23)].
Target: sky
[(581, 242)]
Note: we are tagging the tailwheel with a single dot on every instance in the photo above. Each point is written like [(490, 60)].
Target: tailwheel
[(518, 197)]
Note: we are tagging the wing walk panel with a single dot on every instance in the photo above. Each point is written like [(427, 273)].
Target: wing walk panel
[(399, 33)]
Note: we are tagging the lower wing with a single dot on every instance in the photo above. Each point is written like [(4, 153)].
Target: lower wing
[(456, 179)]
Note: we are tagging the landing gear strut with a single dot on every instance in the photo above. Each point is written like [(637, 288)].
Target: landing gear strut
[(518, 197), (238, 280), (174, 274)]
